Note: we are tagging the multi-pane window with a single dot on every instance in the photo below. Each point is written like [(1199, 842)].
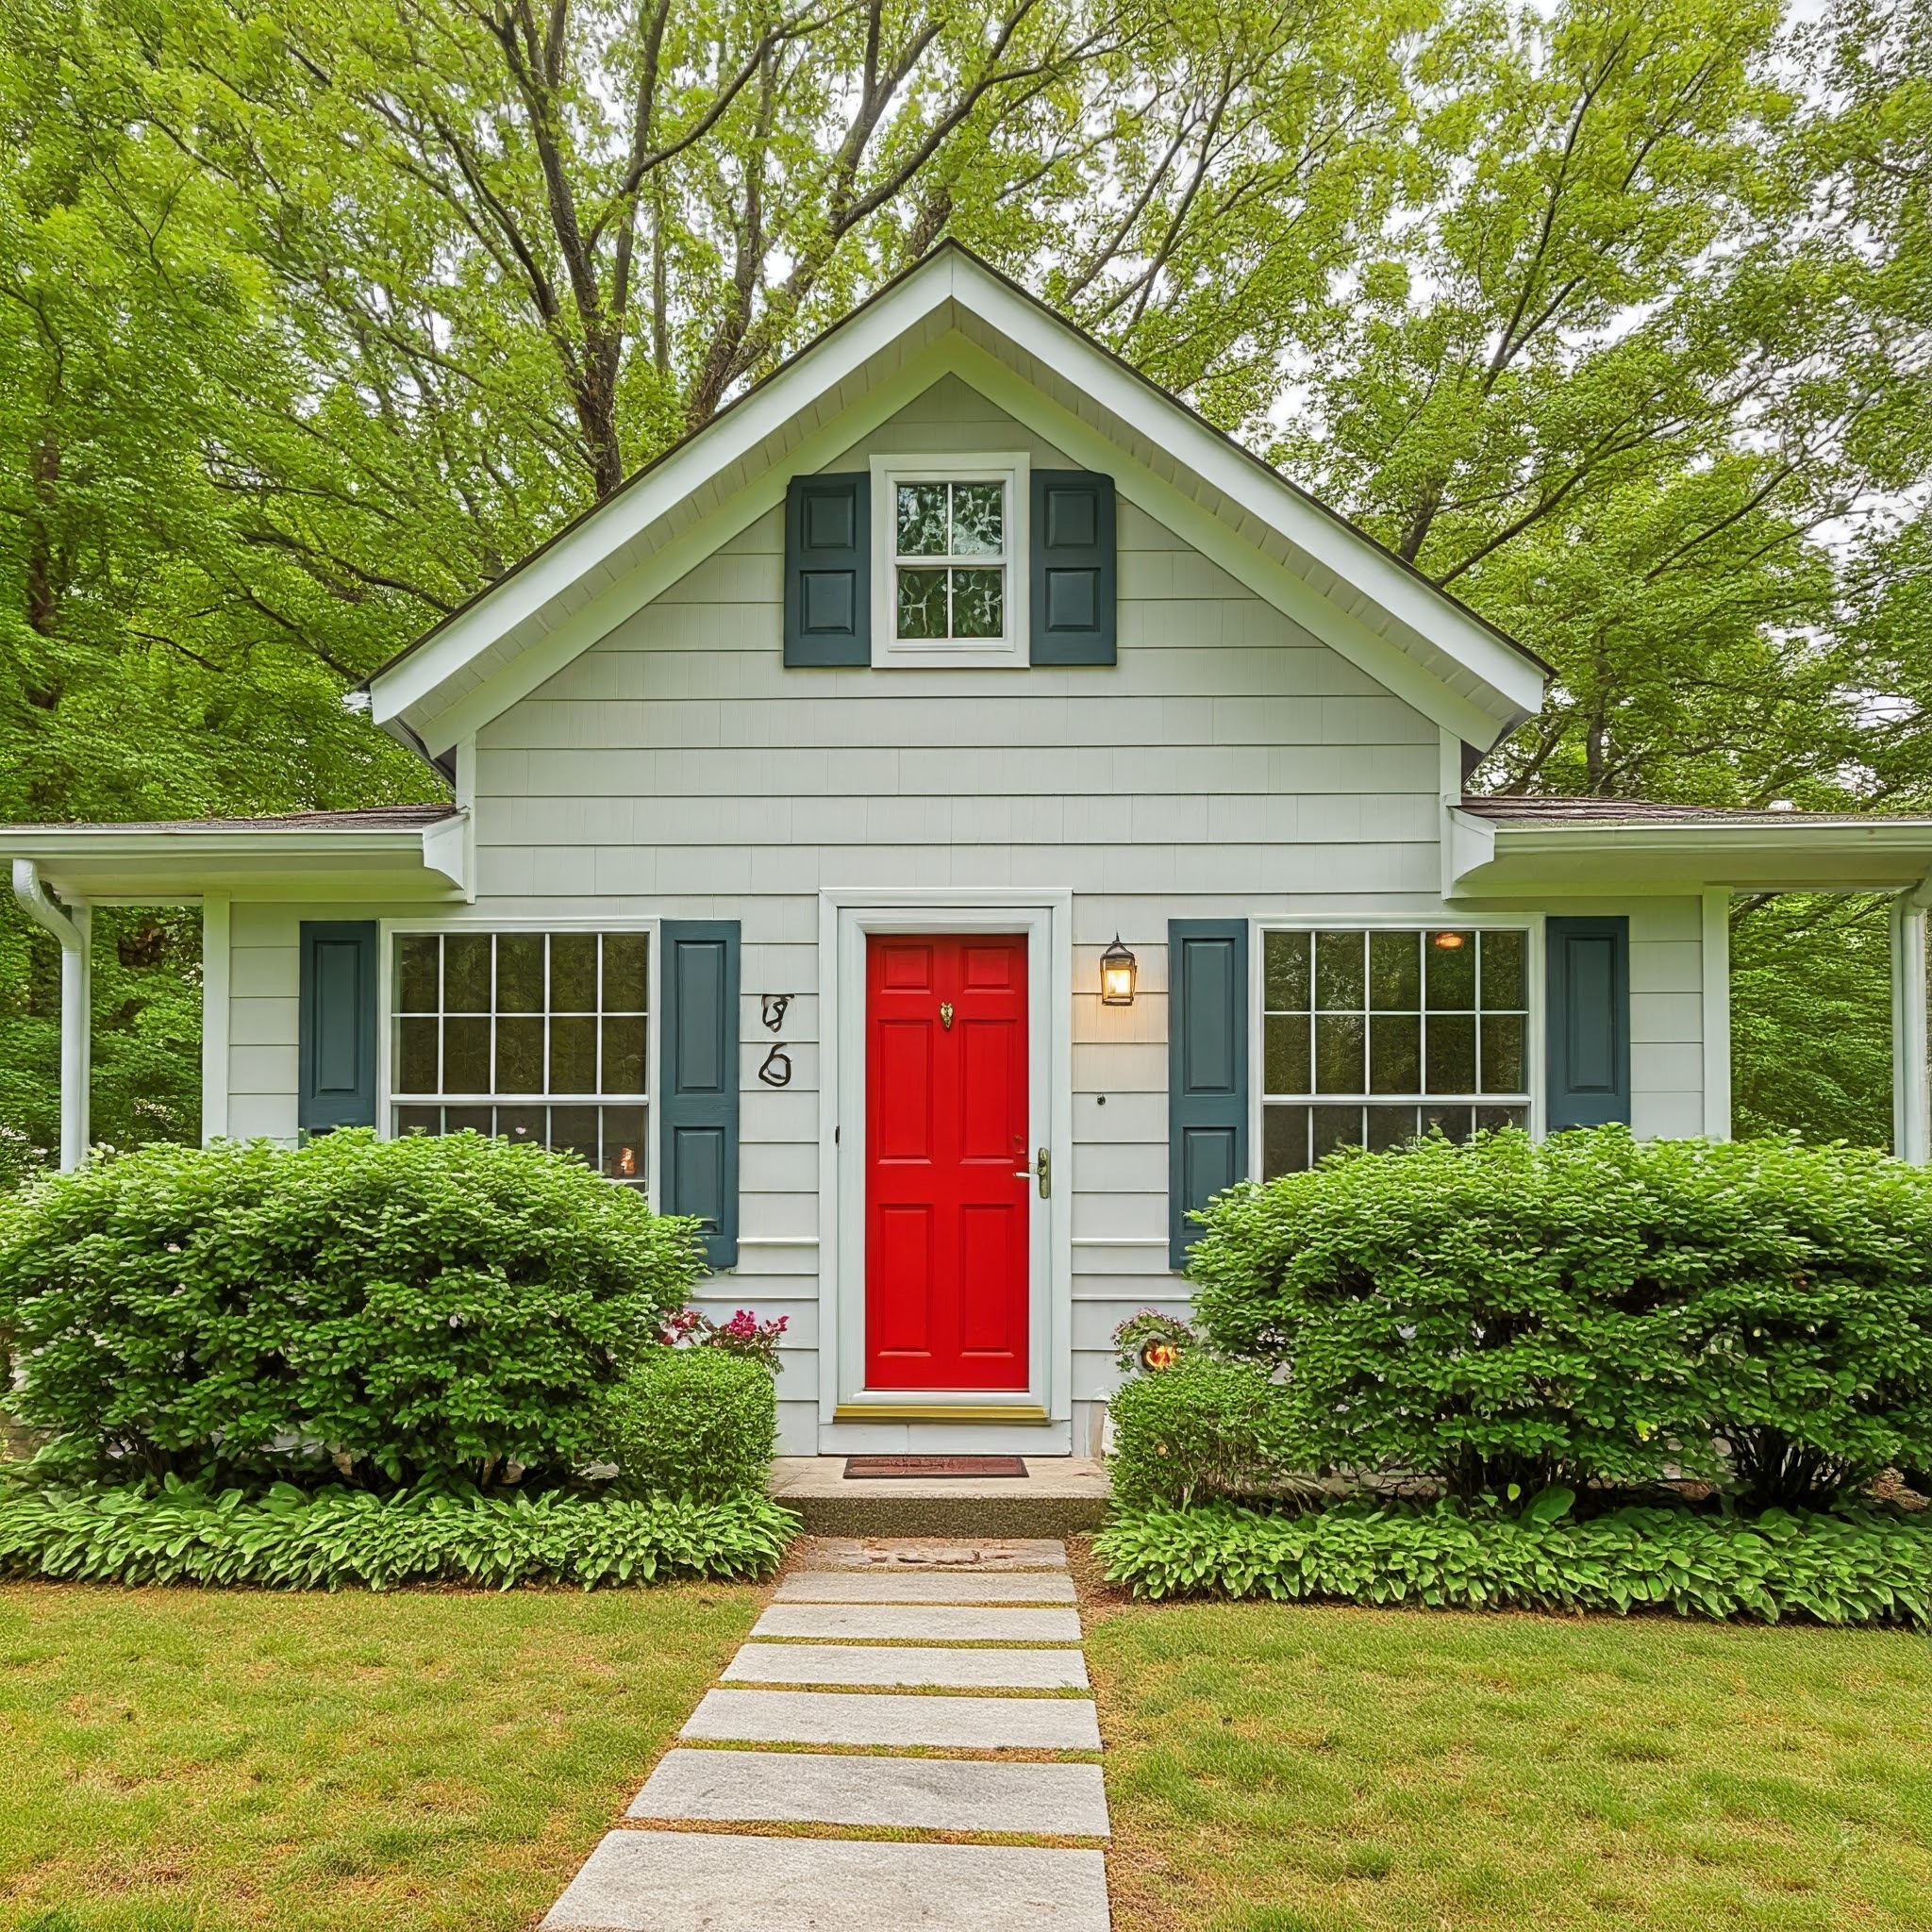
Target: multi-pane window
[(1369, 1038), (949, 562), (534, 1036)]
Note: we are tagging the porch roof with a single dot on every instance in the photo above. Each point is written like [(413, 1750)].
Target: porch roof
[(1540, 847), (385, 852)]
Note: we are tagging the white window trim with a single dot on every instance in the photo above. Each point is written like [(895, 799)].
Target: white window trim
[(1530, 923), (389, 930), (1011, 651)]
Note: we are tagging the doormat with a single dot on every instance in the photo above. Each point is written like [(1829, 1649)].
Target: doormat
[(915, 1466)]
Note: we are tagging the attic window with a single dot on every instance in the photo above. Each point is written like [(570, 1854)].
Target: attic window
[(949, 577)]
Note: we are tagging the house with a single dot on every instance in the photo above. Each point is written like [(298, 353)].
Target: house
[(939, 824)]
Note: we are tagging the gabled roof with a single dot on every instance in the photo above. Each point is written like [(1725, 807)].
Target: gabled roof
[(954, 314)]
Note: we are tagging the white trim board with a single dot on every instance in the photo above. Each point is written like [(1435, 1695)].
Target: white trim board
[(845, 916), (1439, 654)]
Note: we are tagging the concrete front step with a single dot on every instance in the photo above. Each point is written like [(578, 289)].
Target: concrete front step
[(913, 1794), (859, 1717), (907, 1666), (1058, 1496), (674, 1881), (920, 1624), (938, 1553), (928, 1586)]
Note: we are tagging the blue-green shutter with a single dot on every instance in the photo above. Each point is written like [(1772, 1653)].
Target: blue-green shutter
[(1588, 989), (697, 1101), (828, 570), (335, 1026), (1207, 1068), (1075, 574)]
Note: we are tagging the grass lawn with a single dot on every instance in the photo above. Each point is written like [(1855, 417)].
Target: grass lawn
[(177, 1759), (1280, 1768)]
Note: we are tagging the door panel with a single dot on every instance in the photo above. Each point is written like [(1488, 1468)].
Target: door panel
[(948, 1202)]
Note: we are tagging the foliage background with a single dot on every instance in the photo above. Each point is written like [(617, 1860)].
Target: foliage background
[(1616, 319)]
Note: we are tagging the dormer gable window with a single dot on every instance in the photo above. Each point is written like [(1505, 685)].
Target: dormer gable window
[(949, 560), (941, 560)]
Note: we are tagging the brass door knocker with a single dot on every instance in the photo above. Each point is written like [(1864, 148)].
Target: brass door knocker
[(946, 1015)]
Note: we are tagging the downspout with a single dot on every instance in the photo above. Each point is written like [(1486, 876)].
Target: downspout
[(70, 925)]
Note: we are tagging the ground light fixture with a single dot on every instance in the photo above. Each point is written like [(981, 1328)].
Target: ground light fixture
[(1117, 972)]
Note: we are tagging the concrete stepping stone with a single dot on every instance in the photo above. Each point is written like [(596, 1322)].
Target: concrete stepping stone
[(938, 1553), (676, 1881), (859, 1717), (920, 1623), (949, 1669), (918, 1793), (843, 1587)]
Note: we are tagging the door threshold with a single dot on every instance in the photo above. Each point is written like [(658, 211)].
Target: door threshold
[(940, 1412)]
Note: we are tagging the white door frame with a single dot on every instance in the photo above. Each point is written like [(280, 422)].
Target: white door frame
[(845, 917)]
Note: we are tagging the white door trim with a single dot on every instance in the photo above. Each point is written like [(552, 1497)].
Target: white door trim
[(845, 917)]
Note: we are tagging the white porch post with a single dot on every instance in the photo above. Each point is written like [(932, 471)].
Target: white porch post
[(214, 1017), (1717, 1014), (1911, 1087), (69, 924)]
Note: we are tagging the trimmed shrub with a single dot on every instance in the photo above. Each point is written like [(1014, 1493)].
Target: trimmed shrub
[(1591, 1307), (1204, 1427), (692, 1421), (289, 1540), (393, 1308), (1854, 1569)]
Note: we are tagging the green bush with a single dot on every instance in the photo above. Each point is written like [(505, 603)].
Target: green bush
[(1204, 1427), (1854, 1569), (1589, 1309), (289, 1540), (393, 1308), (692, 1421)]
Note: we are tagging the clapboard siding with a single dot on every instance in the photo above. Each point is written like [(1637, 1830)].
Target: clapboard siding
[(1229, 765)]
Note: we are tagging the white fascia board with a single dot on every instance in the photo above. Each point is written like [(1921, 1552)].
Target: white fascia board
[(1880, 856), (1376, 656), (151, 867), (1331, 541), (736, 435), (424, 692), (540, 661)]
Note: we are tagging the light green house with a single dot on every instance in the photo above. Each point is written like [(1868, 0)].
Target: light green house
[(808, 792)]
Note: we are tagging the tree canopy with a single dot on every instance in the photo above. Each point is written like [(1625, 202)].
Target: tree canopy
[(315, 315)]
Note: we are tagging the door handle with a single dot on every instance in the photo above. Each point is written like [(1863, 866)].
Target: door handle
[(1042, 1169)]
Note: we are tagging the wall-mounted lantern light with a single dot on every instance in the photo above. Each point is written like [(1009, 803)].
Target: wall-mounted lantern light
[(1117, 976)]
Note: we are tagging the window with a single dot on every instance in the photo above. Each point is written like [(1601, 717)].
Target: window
[(949, 582), (949, 560), (534, 1036), (1369, 1038)]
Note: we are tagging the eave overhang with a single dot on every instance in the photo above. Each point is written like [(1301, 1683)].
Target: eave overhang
[(1556, 859), (954, 315), (158, 865)]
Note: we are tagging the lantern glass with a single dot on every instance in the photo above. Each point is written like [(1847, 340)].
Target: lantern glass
[(1117, 972)]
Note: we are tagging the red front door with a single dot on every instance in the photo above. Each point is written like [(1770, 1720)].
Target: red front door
[(947, 1194)]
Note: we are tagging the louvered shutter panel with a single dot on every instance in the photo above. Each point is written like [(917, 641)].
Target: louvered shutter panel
[(1588, 988), (828, 570), (1207, 1069), (335, 1026), (1074, 573), (697, 1100)]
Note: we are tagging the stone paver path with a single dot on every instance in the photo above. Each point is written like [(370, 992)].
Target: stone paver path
[(884, 1651)]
